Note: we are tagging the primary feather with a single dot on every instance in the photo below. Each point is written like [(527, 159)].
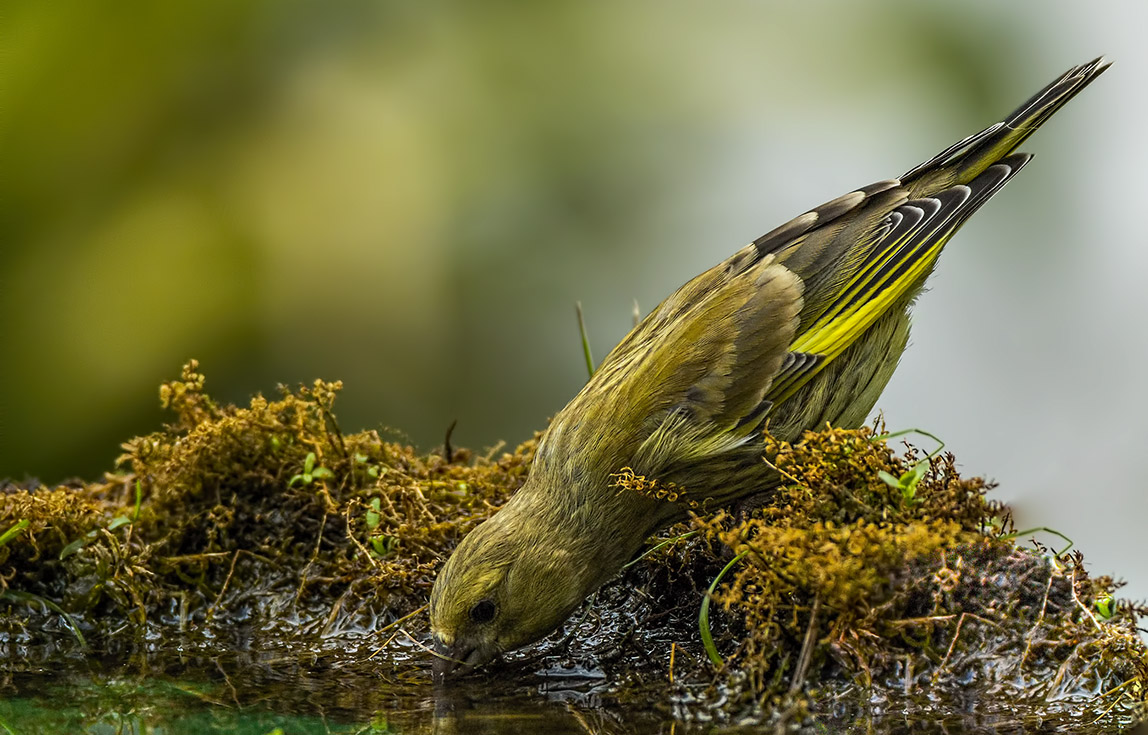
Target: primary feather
[(803, 326)]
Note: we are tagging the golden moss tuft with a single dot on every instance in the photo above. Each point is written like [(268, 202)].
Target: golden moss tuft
[(866, 575), (255, 515), (627, 480), (894, 574)]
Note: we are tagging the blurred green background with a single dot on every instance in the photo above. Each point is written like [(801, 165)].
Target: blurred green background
[(410, 197)]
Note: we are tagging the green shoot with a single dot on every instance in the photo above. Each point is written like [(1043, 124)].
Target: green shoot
[(372, 470), (585, 339), (31, 599), (908, 481), (704, 616), (139, 501), (374, 515), (655, 547), (1029, 531), (14, 530), (906, 432), (310, 472), (1106, 607), (117, 522), (78, 544), (382, 545)]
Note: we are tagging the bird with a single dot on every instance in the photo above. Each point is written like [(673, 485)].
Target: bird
[(801, 328)]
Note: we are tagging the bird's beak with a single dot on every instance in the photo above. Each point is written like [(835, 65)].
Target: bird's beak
[(446, 660), (453, 660)]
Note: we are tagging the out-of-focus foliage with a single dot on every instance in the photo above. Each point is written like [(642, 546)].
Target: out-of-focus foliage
[(409, 194)]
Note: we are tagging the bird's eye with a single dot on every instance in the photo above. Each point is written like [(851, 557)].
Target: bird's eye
[(482, 612)]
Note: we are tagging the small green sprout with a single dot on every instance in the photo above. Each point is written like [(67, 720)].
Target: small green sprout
[(585, 339), (373, 515), (1106, 606), (310, 472), (14, 530), (117, 522), (139, 501), (908, 481), (372, 470), (382, 545), (78, 544), (704, 615), (637, 315), (659, 545), (1046, 529), (30, 599)]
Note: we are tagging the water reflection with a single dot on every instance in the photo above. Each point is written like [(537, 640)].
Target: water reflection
[(283, 694)]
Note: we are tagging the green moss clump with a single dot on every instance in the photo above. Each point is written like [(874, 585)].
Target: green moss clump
[(250, 516), (849, 582), (867, 579)]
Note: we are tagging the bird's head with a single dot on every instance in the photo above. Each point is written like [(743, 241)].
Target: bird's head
[(506, 585)]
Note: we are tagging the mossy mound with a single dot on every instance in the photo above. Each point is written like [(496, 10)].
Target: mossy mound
[(265, 517), (892, 575), (868, 582)]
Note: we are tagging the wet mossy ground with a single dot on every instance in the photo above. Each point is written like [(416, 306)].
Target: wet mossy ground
[(873, 583)]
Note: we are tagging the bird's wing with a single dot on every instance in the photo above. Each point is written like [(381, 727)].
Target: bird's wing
[(904, 250), (700, 374), (685, 378), (722, 366), (858, 266)]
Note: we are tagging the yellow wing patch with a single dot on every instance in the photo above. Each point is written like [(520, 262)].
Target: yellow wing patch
[(900, 262)]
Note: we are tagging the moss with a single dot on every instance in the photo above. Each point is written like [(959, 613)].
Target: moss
[(867, 576), (848, 583), (224, 536)]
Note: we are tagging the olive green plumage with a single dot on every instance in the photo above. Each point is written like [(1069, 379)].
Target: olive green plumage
[(801, 327)]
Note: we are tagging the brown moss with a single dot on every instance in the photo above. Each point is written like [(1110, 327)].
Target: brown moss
[(866, 576), (232, 526), (851, 580)]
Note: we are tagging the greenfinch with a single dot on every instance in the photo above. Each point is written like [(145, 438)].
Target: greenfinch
[(802, 327)]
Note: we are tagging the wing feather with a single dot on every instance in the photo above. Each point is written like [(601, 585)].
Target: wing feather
[(894, 269)]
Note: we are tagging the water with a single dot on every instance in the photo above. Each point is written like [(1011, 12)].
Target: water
[(284, 693), (269, 693)]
